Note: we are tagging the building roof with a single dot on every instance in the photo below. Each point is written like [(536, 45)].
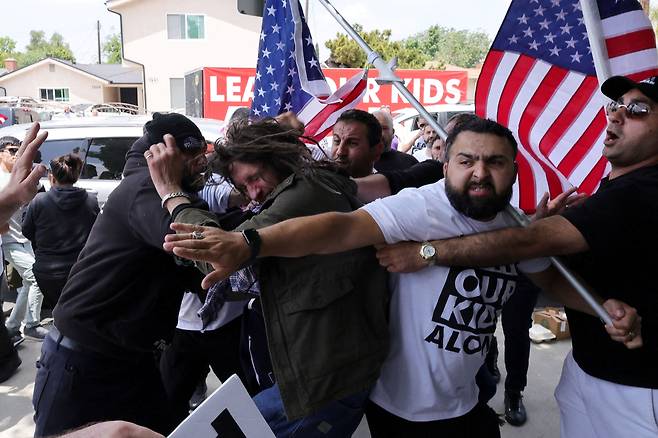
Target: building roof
[(107, 73), (114, 73)]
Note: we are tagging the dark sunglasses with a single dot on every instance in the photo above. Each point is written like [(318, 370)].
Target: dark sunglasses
[(633, 109), (12, 150)]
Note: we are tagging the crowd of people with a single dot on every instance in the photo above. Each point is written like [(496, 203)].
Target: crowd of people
[(366, 281)]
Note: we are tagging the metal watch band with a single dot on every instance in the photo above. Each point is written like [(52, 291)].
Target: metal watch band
[(172, 195), (252, 238)]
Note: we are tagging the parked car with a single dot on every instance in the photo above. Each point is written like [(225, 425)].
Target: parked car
[(15, 110), (405, 121), (101, 143)]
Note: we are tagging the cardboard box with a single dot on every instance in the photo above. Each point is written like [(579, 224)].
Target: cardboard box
[(554, 319)]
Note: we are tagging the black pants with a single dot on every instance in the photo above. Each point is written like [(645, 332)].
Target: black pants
[(74, 388), (7, 350), (51, 287), (185, 362), (517, 319), (480, 422)]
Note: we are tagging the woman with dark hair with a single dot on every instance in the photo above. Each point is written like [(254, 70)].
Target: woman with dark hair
[(57, 223)]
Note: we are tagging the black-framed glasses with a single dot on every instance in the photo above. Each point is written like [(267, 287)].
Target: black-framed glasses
[(633, 109)]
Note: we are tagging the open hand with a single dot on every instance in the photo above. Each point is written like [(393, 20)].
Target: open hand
[(549, 207), (225, 251), (24, 180)]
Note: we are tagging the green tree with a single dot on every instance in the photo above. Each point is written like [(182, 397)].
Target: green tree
[(7, 48), (346, 53), (450, 46), (40, 48), (112, 49)]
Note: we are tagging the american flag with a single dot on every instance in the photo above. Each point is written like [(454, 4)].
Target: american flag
[(539, 80), (289, 77)]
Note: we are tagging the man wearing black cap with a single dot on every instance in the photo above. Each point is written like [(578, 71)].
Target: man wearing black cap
[(122, 296), (605, 389)]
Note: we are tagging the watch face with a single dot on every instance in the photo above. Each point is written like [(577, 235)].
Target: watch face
[(428, 251)]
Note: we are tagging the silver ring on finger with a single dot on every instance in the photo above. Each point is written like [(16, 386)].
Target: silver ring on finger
[(148, 154), (197, 235)]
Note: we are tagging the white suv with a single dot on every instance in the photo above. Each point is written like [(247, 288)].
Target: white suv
[(101, 142)]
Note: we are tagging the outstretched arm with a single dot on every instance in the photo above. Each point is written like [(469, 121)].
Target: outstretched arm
[(325, 233), (546, 237), (550, 236)]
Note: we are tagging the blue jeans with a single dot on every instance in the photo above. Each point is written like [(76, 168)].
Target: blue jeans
[(29, 297), (337, 419)]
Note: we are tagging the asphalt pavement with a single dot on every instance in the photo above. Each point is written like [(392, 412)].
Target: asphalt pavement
[(543, 415)]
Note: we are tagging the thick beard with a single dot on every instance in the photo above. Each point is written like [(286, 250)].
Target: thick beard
[(478, 209)]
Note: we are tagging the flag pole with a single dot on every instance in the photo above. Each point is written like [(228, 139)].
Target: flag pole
[(387, 76), (582, 290), (386, 70), (592, 20)]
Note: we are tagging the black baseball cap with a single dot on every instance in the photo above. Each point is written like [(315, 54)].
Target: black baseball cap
[(616, 86), (187, 134), (8, 140)]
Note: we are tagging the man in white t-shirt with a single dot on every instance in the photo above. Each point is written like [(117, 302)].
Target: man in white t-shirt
[(442, 319)]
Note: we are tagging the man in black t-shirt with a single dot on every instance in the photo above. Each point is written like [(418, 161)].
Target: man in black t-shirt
[(606, 389)]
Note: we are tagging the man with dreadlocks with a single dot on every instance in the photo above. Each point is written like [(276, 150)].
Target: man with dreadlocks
[(325, 316)]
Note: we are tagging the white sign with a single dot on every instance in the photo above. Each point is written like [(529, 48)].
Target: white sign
[(228, 413)]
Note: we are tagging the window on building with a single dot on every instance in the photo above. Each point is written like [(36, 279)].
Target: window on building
[(55, 94), (183, 26), (177, 93)]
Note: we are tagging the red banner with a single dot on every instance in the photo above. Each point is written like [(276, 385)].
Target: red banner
[(225, 89)]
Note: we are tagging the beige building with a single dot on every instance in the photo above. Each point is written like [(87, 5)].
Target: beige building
[(170, 38), (54, 80)]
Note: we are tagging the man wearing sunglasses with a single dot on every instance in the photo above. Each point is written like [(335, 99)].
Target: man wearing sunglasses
[(122, 296), (605, 389)]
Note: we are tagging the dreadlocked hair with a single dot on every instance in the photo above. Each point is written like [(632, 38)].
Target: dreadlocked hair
[(266, 141)]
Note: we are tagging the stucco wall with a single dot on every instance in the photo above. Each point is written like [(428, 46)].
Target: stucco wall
[(231, 40), (82, 89), (110, 94)]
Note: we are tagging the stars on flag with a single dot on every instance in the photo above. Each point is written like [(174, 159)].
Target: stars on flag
[(287, 66), (548, 30)]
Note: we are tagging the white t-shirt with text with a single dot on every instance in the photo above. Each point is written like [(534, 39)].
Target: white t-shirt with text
[(442, 318)]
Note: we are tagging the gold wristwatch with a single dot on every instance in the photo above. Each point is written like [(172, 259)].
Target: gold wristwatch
[(428, 253)]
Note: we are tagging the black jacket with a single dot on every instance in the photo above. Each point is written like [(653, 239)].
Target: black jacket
[(57, 223), (124, 292)]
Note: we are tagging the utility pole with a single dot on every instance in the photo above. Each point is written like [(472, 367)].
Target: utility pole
[(98, 37)]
